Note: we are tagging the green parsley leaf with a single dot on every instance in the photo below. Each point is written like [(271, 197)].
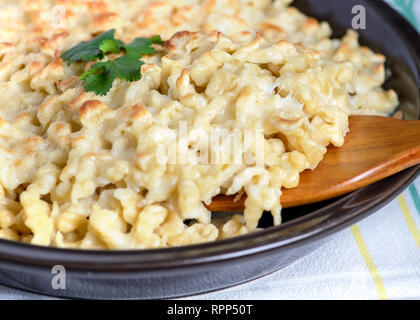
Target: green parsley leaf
[(157, 40), (88, 51), (128, 67), (100, 77), (110, 46), (97, 68), (143, 45), (102, 74)]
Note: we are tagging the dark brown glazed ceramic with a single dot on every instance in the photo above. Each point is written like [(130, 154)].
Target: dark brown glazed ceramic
[(173, 272)]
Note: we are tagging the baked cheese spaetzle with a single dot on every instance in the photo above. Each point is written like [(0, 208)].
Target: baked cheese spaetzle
[(78, 170)]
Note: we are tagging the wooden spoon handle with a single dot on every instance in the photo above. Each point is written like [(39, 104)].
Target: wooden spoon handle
[(375, 148)]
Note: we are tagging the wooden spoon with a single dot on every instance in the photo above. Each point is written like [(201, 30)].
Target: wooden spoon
[(375, 148)]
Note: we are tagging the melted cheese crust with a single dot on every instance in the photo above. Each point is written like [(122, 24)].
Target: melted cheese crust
[(79, 170)]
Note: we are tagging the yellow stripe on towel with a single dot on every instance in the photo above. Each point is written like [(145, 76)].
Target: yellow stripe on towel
[(379, 284), (409, 219)]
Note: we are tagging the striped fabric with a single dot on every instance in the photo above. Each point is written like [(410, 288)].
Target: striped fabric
[(378, 258), (409, 8)]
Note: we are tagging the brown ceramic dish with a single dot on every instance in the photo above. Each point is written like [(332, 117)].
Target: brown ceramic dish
[(172, 272)]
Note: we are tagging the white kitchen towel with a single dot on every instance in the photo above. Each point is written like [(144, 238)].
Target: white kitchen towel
[(378, 258)]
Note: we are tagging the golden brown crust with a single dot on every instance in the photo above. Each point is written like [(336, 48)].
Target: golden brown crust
[(76, 103), (139, 111), (91, 107), (104, 21)]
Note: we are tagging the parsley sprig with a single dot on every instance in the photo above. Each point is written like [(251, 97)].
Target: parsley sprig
[(100, 77)]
